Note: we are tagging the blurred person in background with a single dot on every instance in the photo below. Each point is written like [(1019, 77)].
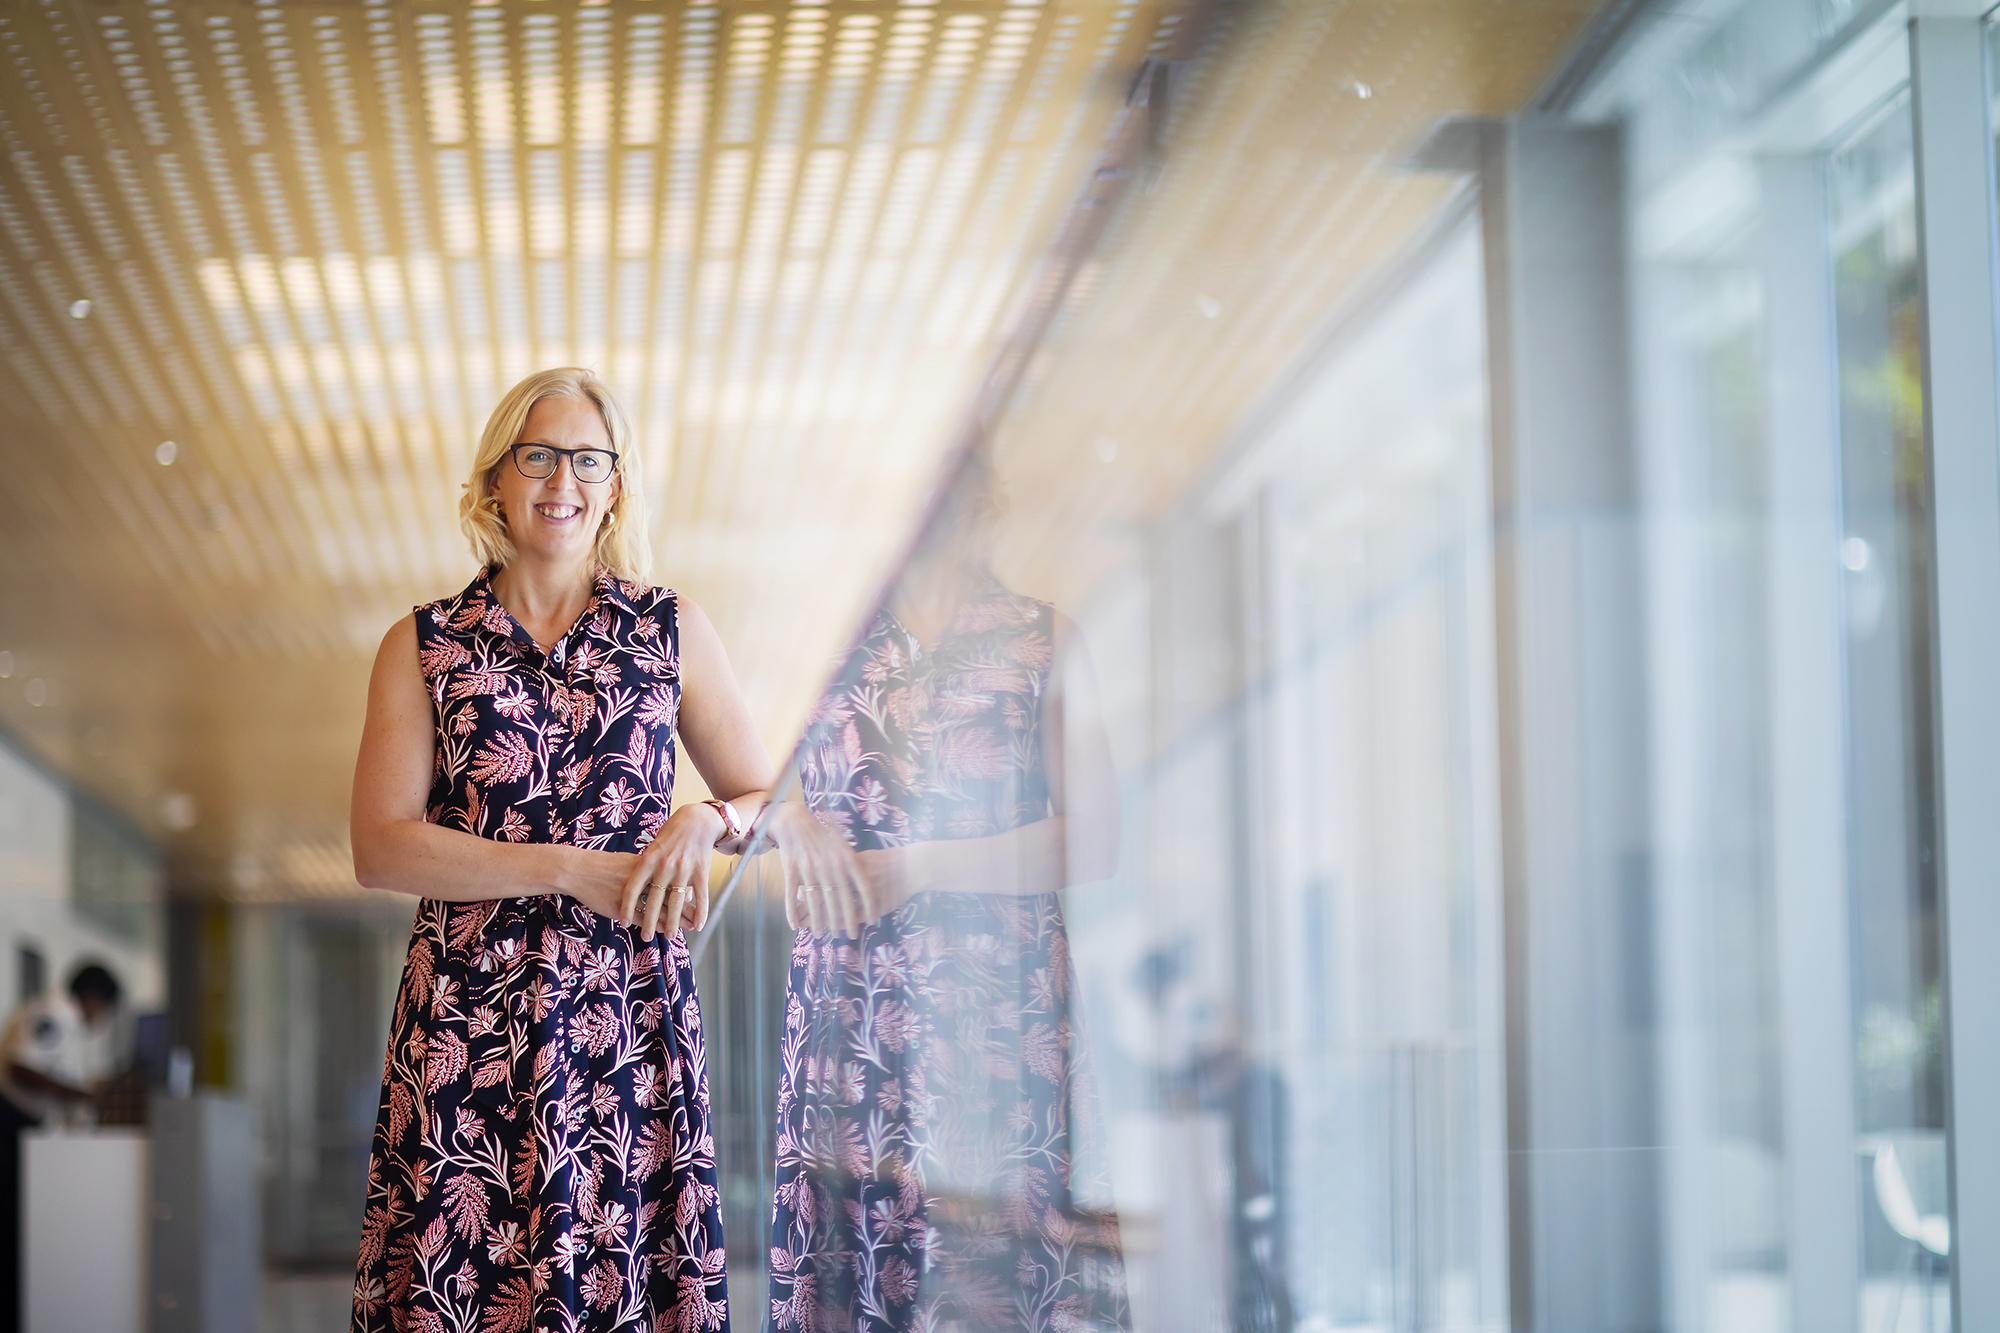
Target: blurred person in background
[(543, 1154), (934, 1113), (56, 1051)]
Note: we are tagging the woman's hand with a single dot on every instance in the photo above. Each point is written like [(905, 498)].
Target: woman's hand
[(826, 890), (596, 879), (892, 875), (666, 886)]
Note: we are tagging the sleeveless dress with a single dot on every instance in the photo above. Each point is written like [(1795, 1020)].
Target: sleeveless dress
[(543, 1156), (931, 1093)]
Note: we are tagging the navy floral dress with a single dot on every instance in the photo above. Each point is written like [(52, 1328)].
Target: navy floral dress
[(543, 1157), (932, 1097)]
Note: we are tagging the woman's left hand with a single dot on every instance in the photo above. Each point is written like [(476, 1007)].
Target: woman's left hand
[(668, 890)]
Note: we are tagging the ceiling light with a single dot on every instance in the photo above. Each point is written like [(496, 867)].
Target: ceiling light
[(165, 452), (79, 308), (177, 811)]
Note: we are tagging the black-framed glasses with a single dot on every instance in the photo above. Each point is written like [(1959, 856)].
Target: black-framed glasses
[(539, 461)]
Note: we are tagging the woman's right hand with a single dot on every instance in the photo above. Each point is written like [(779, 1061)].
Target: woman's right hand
[(825, 889), (597, 879)]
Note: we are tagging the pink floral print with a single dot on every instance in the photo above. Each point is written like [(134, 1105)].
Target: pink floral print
[(543, 1157), (931, 1092)]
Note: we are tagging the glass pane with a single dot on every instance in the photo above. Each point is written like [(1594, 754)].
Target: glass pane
[(1899, 1063), (1181, 1006), (1378, 982), (1717, 910)]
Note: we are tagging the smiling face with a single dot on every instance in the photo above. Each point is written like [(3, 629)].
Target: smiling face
[(556, 519)]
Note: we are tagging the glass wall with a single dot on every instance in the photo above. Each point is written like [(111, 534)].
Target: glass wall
[(1190, 1014), (1892, 816), (1782, 424), (1220, 879)]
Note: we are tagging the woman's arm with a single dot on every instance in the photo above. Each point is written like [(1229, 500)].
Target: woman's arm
[(1076, 844), (396, 848), (667, 886), (715, 726)]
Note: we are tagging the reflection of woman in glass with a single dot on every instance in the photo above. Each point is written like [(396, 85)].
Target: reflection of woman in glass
[(931, 1099)]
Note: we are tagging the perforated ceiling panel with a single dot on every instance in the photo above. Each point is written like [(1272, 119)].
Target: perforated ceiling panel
[(264, 268)]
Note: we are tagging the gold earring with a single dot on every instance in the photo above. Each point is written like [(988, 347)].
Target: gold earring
[(610, 517)]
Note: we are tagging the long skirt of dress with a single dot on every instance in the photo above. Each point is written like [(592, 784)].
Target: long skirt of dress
[(932, 1109), (543, 1156)]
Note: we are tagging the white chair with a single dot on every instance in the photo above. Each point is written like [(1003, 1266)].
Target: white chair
[(1911, 1192)]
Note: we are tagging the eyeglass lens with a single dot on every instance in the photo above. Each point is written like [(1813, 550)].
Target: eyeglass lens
[(539, 461)]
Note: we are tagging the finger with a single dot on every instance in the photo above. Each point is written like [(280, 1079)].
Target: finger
[(833, 913), (650, 916), (699, 908), (789, 881), (850, 910), (816, 905), (675, 917), (866, 898), (690, 876), (633, 892)]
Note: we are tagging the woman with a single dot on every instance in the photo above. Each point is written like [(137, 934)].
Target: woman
[(542, 1153), (932, 1105)]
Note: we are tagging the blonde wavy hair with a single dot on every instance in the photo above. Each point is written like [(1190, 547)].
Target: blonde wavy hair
[(623, 546)]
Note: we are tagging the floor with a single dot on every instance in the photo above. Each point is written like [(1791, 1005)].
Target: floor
[(320, 1302)]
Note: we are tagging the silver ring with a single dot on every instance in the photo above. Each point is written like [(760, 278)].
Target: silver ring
[(687, 888), (808, 888)]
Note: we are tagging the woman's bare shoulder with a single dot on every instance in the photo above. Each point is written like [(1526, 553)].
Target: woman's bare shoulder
[(396, 661), (400, 641)]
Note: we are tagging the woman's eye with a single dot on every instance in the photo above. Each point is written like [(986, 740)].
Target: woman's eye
[(539, 456)]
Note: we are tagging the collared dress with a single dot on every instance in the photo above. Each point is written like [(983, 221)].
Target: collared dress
[(939, 1155), (543, 1157)]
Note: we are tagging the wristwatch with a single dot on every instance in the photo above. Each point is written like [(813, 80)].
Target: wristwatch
[(732, 839)]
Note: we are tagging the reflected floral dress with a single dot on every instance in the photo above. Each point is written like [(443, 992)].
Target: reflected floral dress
[(543, 1157), (931, 1091)]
